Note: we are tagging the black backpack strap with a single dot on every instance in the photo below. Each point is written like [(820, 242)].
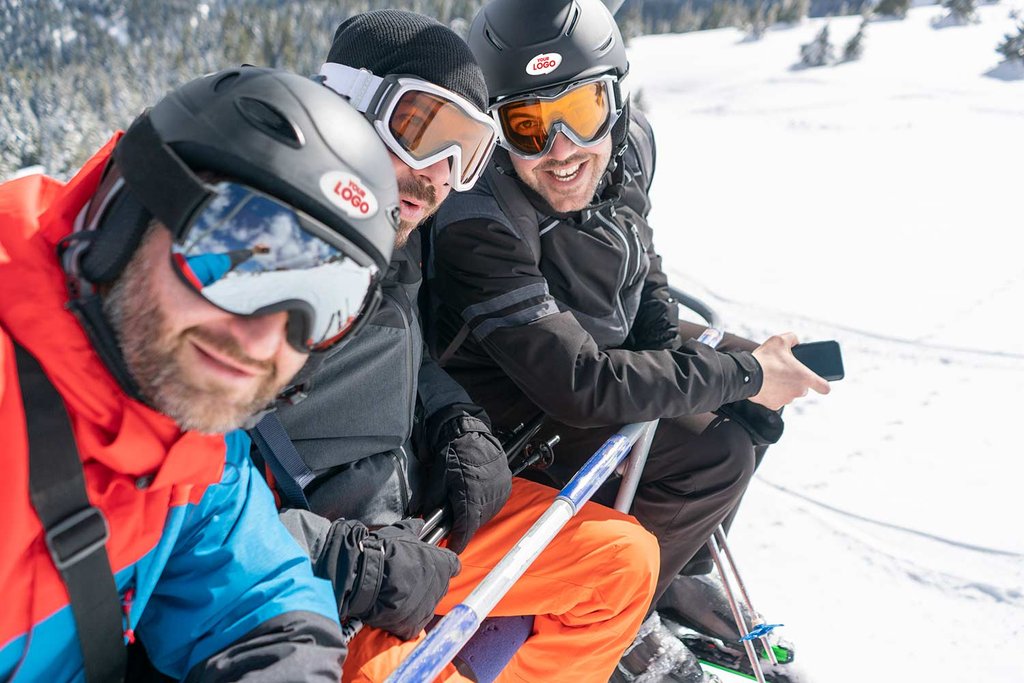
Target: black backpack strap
[(291, 473), (76, 532)]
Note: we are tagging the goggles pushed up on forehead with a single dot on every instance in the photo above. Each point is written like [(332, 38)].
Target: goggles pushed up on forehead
[(584, 112), (249, 254), (422, 123)]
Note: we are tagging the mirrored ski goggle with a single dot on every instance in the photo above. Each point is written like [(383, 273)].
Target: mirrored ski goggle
[(422, 123), (584, 112), (249, 254)]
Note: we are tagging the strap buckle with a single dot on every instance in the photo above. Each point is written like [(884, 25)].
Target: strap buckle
[(77, 536)]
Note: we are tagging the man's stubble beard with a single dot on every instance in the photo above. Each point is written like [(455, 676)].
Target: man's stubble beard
[(423, 192), (549, 191), (153, 356)]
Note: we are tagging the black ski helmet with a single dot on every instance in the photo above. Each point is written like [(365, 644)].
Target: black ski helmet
[(578, 38), (280, 133)]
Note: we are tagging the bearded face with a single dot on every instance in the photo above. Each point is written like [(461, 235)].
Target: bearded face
[(207, 369)]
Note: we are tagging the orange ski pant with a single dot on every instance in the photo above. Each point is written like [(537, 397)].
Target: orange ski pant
[(589, 590)]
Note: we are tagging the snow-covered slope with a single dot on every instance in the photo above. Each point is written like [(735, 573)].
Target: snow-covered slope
[(877, 202)]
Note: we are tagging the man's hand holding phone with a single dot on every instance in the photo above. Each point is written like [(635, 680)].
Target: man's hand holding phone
[(785, 377)]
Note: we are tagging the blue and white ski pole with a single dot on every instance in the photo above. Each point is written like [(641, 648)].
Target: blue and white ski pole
[(456, 628)]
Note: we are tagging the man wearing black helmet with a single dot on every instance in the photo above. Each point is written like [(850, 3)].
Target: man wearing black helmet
[(130, 512), (385, 434), (549, 295)]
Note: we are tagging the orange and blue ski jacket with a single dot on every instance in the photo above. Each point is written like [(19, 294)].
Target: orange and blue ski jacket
[(200, 559)]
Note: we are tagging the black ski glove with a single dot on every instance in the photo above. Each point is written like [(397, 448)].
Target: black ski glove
[(469, 474), (388, 578), (764, 425), (656, 326)]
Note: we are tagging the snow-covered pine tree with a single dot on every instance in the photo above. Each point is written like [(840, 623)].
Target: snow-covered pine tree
[(854, 48), (759, 20), (818, 52), (793, 11), (961, 11), (1012, 49), (893, 8)]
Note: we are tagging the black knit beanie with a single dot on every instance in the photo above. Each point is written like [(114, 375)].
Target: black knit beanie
[(392, 41)]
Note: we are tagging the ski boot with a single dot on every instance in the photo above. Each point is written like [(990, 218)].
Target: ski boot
[(656, 656), (695, 610)]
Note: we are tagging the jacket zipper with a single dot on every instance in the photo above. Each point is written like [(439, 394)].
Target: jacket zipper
[(410, 384), (126, 607), (639, 249), (624, 270)]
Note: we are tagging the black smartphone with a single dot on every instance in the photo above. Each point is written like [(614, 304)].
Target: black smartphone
[(823, 358)]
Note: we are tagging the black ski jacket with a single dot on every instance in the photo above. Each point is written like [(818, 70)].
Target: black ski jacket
[(533, 310)]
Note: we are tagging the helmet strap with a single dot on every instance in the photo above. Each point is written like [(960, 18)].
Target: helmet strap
[(88, 309), (160, 181)]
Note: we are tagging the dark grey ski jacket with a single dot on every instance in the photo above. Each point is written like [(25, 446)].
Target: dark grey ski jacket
[(568, 314), (355, 429), (377, 414)]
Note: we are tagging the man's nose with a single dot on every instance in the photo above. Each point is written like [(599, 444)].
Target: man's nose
[(562, 147), (260, 337), (437, 174)]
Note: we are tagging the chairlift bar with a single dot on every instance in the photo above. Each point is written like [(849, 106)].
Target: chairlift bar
[(634, 466)]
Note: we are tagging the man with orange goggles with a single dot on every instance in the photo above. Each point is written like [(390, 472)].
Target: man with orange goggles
[(583, 111), (548, 295), (386, 436)]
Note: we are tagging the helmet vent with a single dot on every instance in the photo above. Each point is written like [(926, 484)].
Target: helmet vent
[(573, 20), (493, 40), (226, 82), (269, 120), (606, 45)]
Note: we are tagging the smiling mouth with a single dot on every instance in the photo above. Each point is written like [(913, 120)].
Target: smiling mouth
[(568, 173), (224, 363)]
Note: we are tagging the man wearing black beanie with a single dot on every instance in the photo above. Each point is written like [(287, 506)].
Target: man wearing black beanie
[(386, 436)]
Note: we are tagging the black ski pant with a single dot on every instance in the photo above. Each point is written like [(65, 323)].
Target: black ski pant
[(697, 471)]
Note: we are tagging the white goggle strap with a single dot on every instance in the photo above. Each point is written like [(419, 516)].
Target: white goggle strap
[(358, 85), (623, 87)]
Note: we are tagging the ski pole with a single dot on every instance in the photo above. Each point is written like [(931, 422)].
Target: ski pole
[(458, 626), (724, 546), (755, 664)]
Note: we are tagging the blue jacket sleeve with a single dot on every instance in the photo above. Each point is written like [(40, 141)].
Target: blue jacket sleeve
[(233, 570)]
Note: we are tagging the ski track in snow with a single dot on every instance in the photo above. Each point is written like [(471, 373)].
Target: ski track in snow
[(876, 203)]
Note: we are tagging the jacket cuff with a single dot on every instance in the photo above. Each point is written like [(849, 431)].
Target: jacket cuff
[(749, 375), (454, 421)]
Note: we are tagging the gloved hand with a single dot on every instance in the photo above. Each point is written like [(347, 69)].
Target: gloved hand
[(763, 424), (469, 474), (656, 326), (388, 578)]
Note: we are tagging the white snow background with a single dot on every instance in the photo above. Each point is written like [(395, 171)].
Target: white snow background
[(879, 203)]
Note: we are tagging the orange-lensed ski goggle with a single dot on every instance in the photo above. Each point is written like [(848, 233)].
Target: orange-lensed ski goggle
[(420, 122), (584, 112)]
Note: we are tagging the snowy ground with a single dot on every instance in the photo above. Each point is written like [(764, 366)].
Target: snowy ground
[(878, 203)]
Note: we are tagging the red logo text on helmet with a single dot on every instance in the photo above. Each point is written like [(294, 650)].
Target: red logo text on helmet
[(543, 64), (349, 194)]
